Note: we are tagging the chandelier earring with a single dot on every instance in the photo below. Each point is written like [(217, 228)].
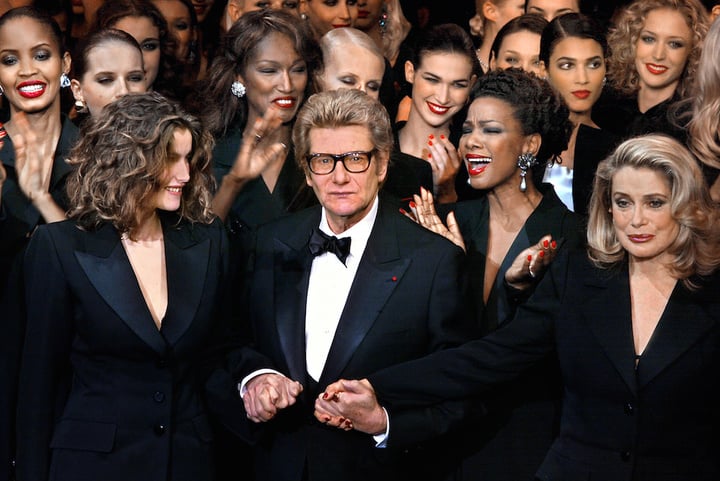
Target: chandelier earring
[(64, 81), (525, 162), (238, 89)]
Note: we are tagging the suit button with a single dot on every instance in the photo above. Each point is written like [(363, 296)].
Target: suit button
[(625, 456), (629, 409), (159, 429), (159, 397)]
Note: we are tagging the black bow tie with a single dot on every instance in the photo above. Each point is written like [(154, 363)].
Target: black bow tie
[(320, 243)]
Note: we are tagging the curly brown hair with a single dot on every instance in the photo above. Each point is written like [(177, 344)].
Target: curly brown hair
[(121, 158), (625, 32)]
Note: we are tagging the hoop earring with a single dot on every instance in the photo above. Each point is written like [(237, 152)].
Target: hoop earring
[(525, 161), (64, 81), (238, 89)]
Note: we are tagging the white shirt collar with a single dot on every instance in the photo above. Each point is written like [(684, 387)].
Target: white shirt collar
[(360, 232)]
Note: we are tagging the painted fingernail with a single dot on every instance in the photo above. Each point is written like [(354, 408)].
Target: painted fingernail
[(542, 254), (326, 419), (342, 420), (325, 395), (429, 142), (429, 156), (402, 211), (546, 243), (554, 244), (529, 258), (442, 136), (431, 136), (412, 204)]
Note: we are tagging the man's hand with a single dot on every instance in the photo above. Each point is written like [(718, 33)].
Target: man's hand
[(268, 393), (351, 405)]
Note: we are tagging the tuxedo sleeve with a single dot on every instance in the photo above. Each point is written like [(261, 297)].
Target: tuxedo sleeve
[(45, 368), (450, 324), (473, 368)]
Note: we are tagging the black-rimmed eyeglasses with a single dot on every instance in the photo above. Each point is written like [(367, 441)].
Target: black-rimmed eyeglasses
[(354, 162)]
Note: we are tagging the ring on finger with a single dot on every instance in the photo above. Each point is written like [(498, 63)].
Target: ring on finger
[(530, 271)]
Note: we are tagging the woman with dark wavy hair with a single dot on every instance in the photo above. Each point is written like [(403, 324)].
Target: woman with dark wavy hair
[(124, 306), (255, 87)]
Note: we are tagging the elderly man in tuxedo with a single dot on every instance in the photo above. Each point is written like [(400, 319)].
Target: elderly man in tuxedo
[(342, 290)]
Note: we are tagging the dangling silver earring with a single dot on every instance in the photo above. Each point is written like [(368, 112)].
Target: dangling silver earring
[(2, 90), (303, 16), (525, 161), (64, 81), (604, 81), (238, 89)]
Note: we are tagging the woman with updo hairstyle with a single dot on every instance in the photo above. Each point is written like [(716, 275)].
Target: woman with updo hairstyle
[(517, 44), (655, 46), (142, 20), (255, 86), (132, 312), (107, 65), (490, 17), (515, 125), (573, 53)]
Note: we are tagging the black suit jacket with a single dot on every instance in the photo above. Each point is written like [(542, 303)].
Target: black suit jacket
[(405, 302), (657, 422), (103, 393)]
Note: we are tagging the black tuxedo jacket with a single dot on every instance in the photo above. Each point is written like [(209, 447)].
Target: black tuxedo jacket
[(657, 422), (406, 301), (103, 393)]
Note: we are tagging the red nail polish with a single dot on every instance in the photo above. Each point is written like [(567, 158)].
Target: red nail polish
[(394, 278), (529, 258), (554, 244), (342, 420), (442, 136), (431, 136), (402, 211), (546, 243), (429, 156), (542, 254), (429, 142), (412, 204), (325, 395)]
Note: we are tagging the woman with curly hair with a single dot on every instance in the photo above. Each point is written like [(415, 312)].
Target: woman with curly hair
[(655, 46), (514, 126), (634, 321), (131, 305)]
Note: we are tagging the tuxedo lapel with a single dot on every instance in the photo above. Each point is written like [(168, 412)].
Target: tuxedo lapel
[(379, 272), (607, 310), (683, 323), (186, 261), (109, 271), (292, 263)]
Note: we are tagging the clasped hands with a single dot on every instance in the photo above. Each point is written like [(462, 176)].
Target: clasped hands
[(349, 405)]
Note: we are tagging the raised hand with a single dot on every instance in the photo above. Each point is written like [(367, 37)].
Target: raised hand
[(351, 405), (424, 213), (445, 162), (531, 262), (267, 394)]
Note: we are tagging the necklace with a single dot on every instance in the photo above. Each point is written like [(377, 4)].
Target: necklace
[(484, 66)]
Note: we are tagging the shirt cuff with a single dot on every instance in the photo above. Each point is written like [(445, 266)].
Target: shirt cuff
[(242, 387), (381, 439)]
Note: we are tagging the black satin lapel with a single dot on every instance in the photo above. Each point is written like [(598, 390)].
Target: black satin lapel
[(373, 286), (186, 271), (291, 277), (607, 311), (115, 281), (683, 324)]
